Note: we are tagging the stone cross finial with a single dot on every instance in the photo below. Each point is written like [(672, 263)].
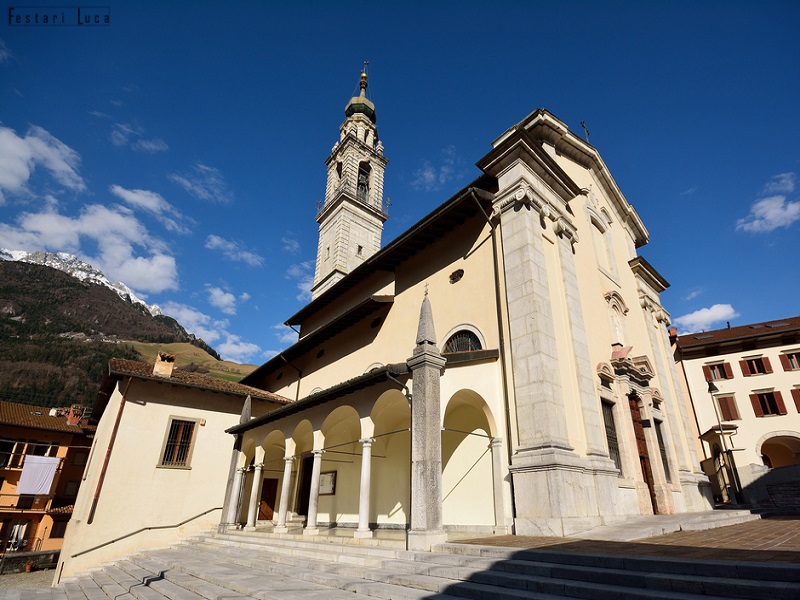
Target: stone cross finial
[(426, 335)]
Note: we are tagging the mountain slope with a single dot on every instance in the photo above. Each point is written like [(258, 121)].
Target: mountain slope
[(57, 334)]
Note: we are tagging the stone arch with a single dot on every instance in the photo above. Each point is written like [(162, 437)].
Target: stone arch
[(782, 448), (467, 475), (391, 455)]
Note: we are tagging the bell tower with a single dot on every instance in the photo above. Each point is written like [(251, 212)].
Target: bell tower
[(352, 216)]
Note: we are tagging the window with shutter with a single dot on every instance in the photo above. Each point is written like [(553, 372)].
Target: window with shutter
[(718, 371), (756, 366), (796, 398), (790, 361), (756, 405), (768, 403), (727, 408)]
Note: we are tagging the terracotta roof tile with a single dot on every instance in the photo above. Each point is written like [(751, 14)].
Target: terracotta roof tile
[(62, 510), (756, 330), (120, 366), (38, 417)]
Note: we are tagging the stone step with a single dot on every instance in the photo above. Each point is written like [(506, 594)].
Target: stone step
[(320, 543), (451, 578), (745, 570), (461, 567)]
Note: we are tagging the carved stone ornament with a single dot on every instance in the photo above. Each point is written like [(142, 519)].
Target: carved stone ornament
[(563, 227)]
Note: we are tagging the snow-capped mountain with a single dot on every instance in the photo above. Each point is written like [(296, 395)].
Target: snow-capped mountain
[(72, 265)]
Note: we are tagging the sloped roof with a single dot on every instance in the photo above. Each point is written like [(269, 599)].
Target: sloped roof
[(765, 329), (119, 367), (37, 417)]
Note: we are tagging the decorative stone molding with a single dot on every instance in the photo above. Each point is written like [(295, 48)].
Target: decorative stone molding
[(563, 227), (524, 195), (614, 299), (605, 372)]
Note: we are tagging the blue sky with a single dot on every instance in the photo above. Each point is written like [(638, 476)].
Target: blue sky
[(181, 148)]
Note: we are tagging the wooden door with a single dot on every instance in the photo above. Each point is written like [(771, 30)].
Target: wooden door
[(269, 492), (641, 446), (304, 491)]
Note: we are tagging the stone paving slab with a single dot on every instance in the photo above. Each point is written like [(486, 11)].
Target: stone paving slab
[(774, 539)]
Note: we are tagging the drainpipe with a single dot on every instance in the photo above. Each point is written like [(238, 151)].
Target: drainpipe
[(108, 454)]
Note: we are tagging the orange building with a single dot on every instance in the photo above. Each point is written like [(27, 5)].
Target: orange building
[(43, 452)]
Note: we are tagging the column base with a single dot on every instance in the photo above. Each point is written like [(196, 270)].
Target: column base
[(367, 533), (311, 531), (424, 540), (249, 528), (281, 529)]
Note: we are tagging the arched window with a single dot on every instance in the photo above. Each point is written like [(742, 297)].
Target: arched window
[(363, 181), (462, 341)]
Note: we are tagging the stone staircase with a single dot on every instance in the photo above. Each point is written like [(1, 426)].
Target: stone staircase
[(239, 565)]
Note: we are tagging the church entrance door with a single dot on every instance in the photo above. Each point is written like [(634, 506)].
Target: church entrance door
[(269, 492), (304, 490), (641, 446)]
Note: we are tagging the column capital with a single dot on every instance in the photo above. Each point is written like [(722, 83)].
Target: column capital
[(523, 195), (259, 466), (367, 441), (243, 470), (288, 459), (318, 452), (495, 442)]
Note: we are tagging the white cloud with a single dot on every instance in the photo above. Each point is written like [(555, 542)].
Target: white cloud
[(783, 183), (689, 192), (214, 332), (234, 348), (19, 157), (205, 183), (155, 204), (693, 294), (430, 177), (233, 251), (285, 334), (152, 146), (303, 274), (244, 297), (219, 298), (5, 53), (124, 134), (99, 115), (290, 245), (125, 250), (769, 214), (705, 318)]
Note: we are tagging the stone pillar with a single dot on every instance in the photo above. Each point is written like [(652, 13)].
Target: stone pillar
[(363, 530), (538, 395), (595, 437), (500, 527), (255, 491), (426, 366), (313, 500), (236, 496), (285, 484)]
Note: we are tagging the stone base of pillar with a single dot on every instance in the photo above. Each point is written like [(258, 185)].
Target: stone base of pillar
[(249, 528), (558, 493), (367, 533), (281, 529), (311, 531), (500, 530), (423, 541)]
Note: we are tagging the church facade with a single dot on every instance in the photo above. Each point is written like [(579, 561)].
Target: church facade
[(502, 366)]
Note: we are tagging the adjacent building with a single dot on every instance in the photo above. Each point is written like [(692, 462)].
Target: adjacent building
[(751, 417), (43, 452), (159, 461)]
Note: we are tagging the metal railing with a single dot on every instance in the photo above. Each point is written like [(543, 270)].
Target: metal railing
[(143, 529)]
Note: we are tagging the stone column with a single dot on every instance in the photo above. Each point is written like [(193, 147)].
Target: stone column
[(313, 500), (500, 527), (285, 485), (363, 530), (426, 366), (255, 491), (236, 496)]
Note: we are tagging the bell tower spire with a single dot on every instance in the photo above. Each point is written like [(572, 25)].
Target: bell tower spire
[(351, 218)]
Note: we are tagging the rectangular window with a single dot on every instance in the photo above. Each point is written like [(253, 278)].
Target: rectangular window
[(59, 529), (611, 434), (71, 489), (758, 365), (790, 361), (718, 371), (796, 398), (79, 458), (663, 449), (767, 403), (727, 408), (178, 443)]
